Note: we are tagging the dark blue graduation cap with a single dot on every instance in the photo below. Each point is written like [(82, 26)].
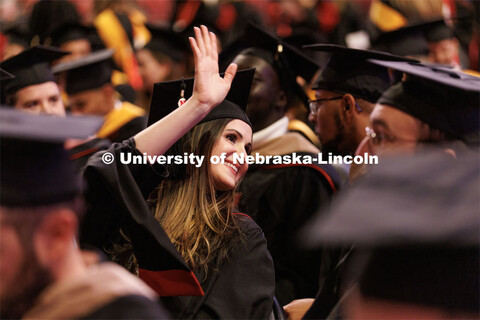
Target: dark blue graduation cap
[(35, 167), (166, 95), (446, 99), (31, 67), (86, 73), (168, 42), (288, 61), (349, 71), (416, 220)]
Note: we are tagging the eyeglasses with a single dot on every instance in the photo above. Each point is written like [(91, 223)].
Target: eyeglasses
[(378, 139), (314, 104), (372, 135)]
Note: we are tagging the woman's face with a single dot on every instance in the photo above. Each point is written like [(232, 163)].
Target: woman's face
[(151, 70), (236, 138)]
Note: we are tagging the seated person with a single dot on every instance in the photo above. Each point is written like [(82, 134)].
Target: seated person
[(233, 275), (34, 88), (165, 57), (416, 239), (90, 92), (44, 275)]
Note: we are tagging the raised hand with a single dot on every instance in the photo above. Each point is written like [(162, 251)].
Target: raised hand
[(209, 88)]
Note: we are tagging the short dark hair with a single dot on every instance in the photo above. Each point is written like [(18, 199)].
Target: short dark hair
[(11, 99)]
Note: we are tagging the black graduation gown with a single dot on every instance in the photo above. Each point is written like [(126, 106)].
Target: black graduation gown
[(129, 129), (81, 153), (281, 199), (242, 288), (332, 283)]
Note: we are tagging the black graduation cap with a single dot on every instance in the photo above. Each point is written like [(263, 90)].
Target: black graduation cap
[(68, 31), (45, 15), (446, 99), (405, 41), (168, 42), (302, 36), (348, 71), (35, 167), (4, 75), (86, 73), (437, 30), (288, 61), (417, 220), (166, 95), (414, 38), (31, 67), (18, 32)]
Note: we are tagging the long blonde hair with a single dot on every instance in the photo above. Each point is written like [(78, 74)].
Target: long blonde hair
[(196, 217)]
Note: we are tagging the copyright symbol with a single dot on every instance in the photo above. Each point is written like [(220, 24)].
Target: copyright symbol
[(108, 158)]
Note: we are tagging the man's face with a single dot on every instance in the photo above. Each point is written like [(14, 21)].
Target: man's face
[(444, 52), (328, 122), (264, 91), (90, 102), (22, 278), (395, 131), (40, 98), (78, 48)]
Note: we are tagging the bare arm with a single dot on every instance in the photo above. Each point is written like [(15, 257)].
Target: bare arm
[(209, 90), (296, 309)]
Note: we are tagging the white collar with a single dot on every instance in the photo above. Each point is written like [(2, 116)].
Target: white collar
[(275, 130), (118, 104)]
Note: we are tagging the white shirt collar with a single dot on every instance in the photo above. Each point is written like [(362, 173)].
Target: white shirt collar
[(117, 104), (275, 130)]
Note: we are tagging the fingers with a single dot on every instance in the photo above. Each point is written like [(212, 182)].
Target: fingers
[(199, 40), (195, 49), (206, 40), (230, 73), (213, 40)]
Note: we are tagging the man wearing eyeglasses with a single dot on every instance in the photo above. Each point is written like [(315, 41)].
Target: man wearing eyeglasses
[(346, 92), (282, 197), (431, 105)]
